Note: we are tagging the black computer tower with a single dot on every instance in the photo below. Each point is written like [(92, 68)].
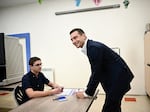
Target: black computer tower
[(2, 58)]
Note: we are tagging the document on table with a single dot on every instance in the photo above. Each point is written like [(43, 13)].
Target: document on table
[(68, 92)]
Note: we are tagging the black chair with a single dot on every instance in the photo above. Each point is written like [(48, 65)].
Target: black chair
[(19, 95)]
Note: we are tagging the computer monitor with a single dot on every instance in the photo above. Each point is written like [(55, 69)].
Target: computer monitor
[(12, 63)]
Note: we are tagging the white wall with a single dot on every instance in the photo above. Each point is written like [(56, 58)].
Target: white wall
[(123, 28)]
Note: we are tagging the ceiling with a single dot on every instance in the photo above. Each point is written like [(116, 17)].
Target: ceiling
[(12, 3)]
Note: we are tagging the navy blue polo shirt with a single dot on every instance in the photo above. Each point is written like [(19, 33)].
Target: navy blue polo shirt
[(36, 83)]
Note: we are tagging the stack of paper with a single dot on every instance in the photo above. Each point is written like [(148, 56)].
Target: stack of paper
[(67, 92)]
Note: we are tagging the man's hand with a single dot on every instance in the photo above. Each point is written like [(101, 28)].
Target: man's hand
[(56, 90), (80, 94)]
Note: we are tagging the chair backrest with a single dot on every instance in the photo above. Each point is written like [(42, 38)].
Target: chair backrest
[(18, 94)]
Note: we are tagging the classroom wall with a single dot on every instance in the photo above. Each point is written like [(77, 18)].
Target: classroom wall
[(121, 27)]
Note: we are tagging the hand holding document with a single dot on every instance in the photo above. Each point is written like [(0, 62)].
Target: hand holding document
[(66, 92)]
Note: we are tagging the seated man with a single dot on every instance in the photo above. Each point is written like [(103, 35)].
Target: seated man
[(33, 82)]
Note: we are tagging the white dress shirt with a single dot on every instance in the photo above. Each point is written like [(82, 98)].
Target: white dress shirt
[(84, 50)]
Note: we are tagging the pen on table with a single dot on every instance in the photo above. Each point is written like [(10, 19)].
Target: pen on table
[(58, 98)]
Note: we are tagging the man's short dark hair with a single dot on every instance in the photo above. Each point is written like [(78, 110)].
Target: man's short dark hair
[(79, 30), (33, 59)]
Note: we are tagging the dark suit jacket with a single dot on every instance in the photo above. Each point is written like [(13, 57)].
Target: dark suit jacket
[(107, 68)]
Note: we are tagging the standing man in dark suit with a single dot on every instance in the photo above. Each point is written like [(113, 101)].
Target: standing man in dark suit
[(107, 68)]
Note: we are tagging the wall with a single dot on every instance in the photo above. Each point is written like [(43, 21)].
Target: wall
[(123, 28)]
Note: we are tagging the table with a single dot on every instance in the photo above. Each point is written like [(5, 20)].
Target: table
[(47, 104)]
